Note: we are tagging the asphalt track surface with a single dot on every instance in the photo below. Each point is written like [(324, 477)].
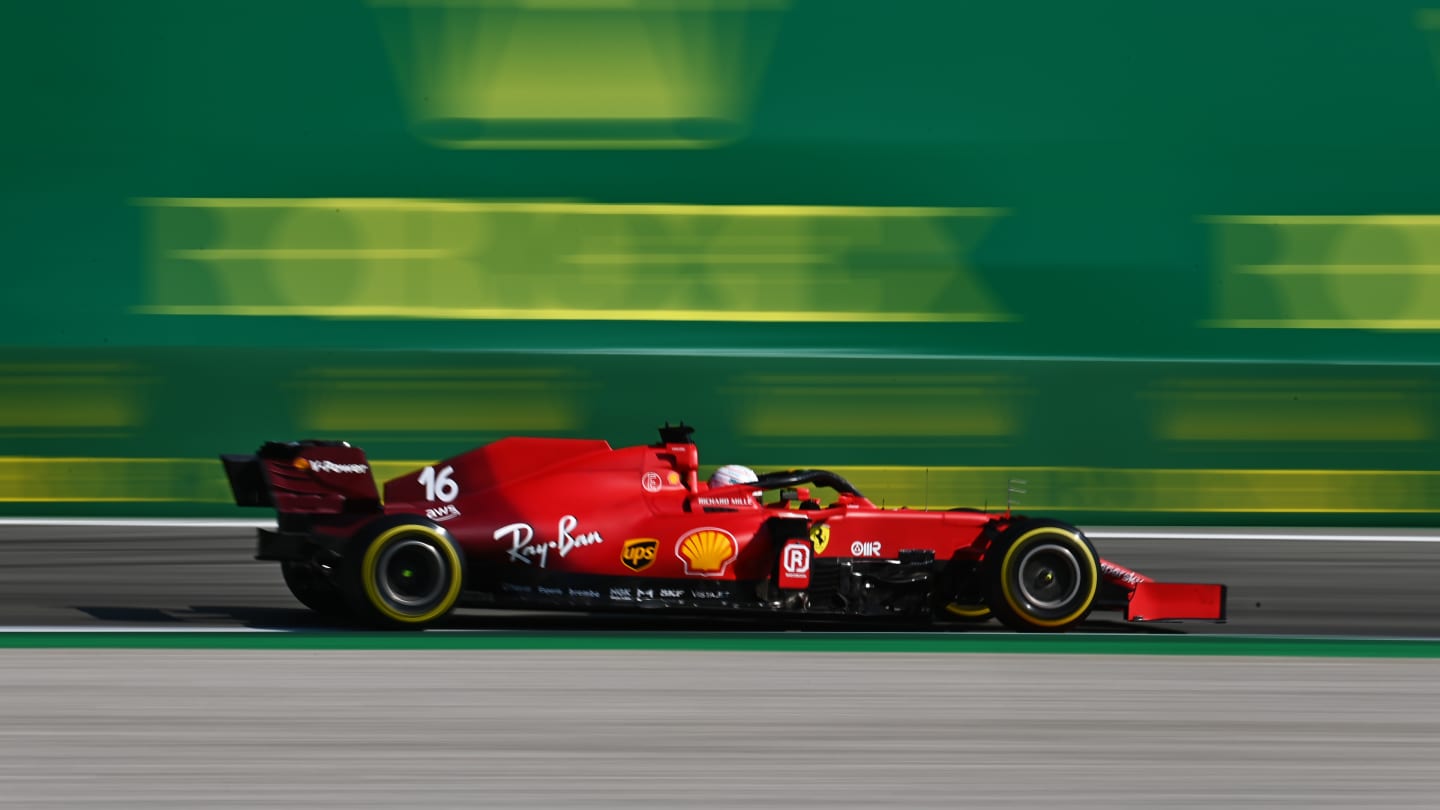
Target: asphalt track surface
[(168, 577), (654, 729), (220, 725)]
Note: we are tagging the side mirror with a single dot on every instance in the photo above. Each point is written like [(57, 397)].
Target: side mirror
[(687, 462)]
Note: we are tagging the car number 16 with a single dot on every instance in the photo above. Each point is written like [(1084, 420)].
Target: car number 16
[(439, 486)]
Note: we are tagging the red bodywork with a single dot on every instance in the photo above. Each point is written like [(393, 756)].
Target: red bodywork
[(577, 522)]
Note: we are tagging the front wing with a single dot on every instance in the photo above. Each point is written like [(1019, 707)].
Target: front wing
[(1149, 601)]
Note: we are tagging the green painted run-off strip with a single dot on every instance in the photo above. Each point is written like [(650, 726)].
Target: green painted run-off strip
[(742, 642)]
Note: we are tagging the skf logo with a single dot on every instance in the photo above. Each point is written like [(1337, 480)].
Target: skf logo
[(820, 536), (639, 554), (707, 552)]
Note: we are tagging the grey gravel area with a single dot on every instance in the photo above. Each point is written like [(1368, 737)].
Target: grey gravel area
[(188, 729)]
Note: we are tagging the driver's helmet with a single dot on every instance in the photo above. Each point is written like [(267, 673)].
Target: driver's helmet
[(733, 474)]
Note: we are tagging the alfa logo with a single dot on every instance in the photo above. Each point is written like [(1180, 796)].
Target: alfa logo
[(820, 535), (707, 552), (639, 554)]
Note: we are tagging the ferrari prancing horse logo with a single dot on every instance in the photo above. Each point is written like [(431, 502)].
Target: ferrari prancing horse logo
[(820, 536)]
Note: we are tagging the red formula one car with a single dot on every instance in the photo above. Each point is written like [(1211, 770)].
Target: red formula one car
[(575, 524)]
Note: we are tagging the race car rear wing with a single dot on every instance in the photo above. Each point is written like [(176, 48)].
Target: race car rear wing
[(304, 478)]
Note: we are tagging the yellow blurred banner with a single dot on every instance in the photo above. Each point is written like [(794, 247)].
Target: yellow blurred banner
[(1094, 489), (897, 405), (129, 480), (1327, 272), (1292, 409), (458, 403), (1048, 489), (72, 400), (455, 259), (579, 74)]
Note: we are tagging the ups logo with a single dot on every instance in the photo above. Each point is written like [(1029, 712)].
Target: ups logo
[(639, 554)]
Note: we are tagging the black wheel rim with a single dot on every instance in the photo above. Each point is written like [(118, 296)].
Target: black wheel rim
[(1048, 577), (411, 574)]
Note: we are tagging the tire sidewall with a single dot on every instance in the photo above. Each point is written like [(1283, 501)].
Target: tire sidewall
[(1002, 566), (963, 595), (361, 572)]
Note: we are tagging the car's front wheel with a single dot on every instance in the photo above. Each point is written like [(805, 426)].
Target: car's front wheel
[(1042, 576)]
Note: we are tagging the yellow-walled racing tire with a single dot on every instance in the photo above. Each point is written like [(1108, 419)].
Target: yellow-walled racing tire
[(1042, 576), (402, 573), (967, 597), (968, 612), (963, 594)]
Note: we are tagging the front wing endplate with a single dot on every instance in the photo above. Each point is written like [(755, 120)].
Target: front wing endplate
[(1176, 601)]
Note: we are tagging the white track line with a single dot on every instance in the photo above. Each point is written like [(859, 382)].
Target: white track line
[(144, 523), (1198, 638), (40, 628)]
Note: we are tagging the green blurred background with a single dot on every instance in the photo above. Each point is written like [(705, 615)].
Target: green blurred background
[(1164, 262)]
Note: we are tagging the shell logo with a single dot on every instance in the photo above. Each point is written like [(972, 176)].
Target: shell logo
[(302, 463), (707, 552)]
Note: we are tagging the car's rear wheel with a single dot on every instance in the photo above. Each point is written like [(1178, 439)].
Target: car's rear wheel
[(314, 589), (1042, 576), (403, 573), (968, 611)]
